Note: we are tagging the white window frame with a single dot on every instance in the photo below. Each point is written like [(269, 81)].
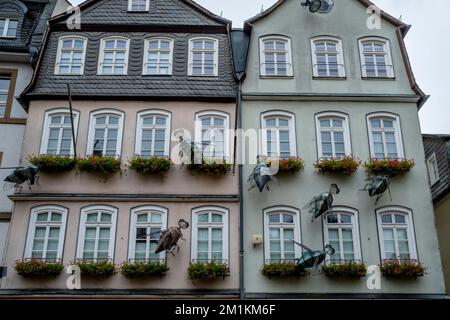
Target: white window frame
[(346, 130), (292, 132), (140, 125), (47, 125), (59, 54), (388, 55), (355, 231), (130, 6), (289, 67), (433, 169), (82, 229), (409, 227), (102, 55), (34, 223), (146, 54), (199, 128), (92, 127), (191, 57), (133, 225), (297, 230), (225, 231), (6, 28), (398, 133), (340, 57)]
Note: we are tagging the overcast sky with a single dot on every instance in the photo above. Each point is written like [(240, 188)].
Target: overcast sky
[(425, 46)]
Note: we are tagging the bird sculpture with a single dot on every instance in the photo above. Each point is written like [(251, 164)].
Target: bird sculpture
[(168, 240), (377, 186), (312, 259), (263, 174), (322, 203), (20, 176)]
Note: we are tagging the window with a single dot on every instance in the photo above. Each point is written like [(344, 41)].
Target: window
[(114, 56), (5, 83), (333, 135), (8, 27), (341, 230), (153, 134), (327, 57), (433, 169), (57, 133), (45, 239), (105, 133), (96, 238), (147, 223), (281, 226), (278, 135), (158, 56), (71, 56), (203, 57), (385, 136), (139, 5), (213, 133), (396, 232), (210, 234), (276, 57), (376, 60)]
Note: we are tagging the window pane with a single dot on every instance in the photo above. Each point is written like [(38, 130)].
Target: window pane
[(287, 218), (274, 233), (274, 218)]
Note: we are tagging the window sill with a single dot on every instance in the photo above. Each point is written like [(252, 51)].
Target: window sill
[(156, 75), (202, 76), (379, 78), (277, 77), (329, 78)]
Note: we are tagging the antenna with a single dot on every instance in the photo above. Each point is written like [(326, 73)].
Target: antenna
[(221, 13), (262, 8)]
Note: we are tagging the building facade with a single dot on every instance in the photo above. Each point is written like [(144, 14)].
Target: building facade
[(327, 85), (22, 27), (138, 71)]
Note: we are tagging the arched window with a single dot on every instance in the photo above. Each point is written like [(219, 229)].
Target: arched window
[(71, 55), (147, 223), (153, 134), (45, 240), (158, 56), (385, 136), (327, 57), (203, 57), (281, 226), (276, 56), (278, 135), (210, 234), (341, 230), (376, 59), (333, 135), (97, 234), (213, 133), (105, 133), (114, 53), (57, 132)]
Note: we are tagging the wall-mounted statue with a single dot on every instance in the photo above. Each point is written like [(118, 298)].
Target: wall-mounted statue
[(313, 259), (169, 238), (263, 175), (21, 175), (377, 186), (322, 203)]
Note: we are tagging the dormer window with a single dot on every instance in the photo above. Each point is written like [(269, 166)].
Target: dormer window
[(8, 27), (203, 57), (114, 56), (139, 5), (71, 56), (158, 56)]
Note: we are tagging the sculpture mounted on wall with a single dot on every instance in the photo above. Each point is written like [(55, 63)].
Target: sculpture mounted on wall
[(322, 203), (377, 186), (21, 175), (263, 175), (168, 240), (313, 259)]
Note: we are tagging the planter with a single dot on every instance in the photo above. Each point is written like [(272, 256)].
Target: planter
[(140, 270), (292, 165), (210, 168), (101, 165), (208, 270), (38, 269), (283, 269), (391, 168), (395, 269), (345, 166), (53, 164), (351, 270), (96, 269), (152, 166)]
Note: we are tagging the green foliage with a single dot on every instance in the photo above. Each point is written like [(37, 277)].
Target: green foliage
[(53, 164), (345, 270), (292, 165), (209, 270), (143, 269), (96, 269), (38, 269), (101, 165), (410, 269), (391, 168), (210, 168), (282, 269), (345, 166), (155, 166)]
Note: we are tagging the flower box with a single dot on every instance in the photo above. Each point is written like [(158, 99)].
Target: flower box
[(140, 270), (53, 164), (352, 270), (208, 270), (292, 165), (345, 166), (391, 168), (282, 269), (38, 269), (96, 269), (210, 168), (395, 269), (101, 165), (154, 166)]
